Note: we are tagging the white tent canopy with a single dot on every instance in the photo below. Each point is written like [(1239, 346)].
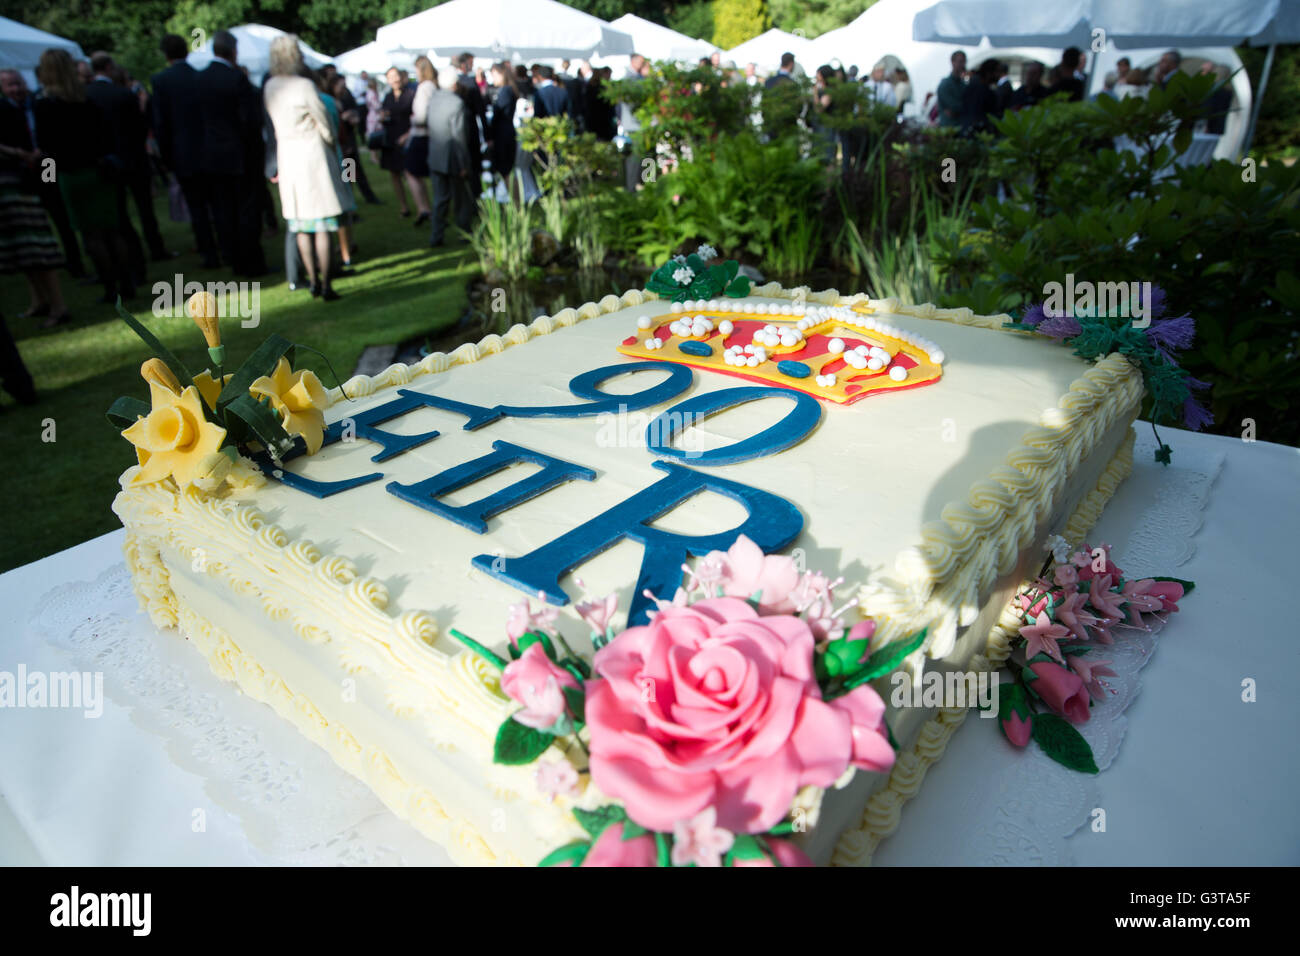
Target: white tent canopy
[(505, 29), (254, 50), (656, 42), (372, 58), (766, 49), (21, 47)]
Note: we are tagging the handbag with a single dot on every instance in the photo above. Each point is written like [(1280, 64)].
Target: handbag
[(177, 210)]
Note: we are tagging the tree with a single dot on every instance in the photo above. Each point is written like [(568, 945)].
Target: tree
[(693, 19), (812, 18), (735, 21)]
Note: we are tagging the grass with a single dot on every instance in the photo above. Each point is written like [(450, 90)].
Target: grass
[(57, 493)]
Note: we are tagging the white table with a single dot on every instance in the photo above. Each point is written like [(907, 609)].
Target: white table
[(1202, 777)]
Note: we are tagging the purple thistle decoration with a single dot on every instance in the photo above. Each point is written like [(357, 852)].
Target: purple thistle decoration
[(1195, 415), (1034, 314), (1196, 385), (1060, 327), (1170, 335), (1158, 304)]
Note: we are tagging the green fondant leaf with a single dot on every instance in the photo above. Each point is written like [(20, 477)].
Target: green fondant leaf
[(1063, 743), (746, 847), (632, 829), (739, 287), (886, 659), (595, 821), (536, 637), (489, 656), (517, 744), (155, 346), (261, 362), (124, 412), (662, 856), (247, 419), (576, 698), (574, 852)]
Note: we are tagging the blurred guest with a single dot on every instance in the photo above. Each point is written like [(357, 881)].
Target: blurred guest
[(881, 90), (395, 114), (902, 88), (73, 134), (1169, 63), (502, 141), (628, 124), (1135, 84), (551, 99), (1002, 88), (416, 144), (28, 245), (979, 101), (18, 117), (14, 377), (1066, 79), (1219, 102), (346, 197), (601, 114), (751, 74), (178, 128), (447, 121), (1122, 66), (127, 161), (477, 130), (312, 191), (952, 92), (784, 74), (575, 89), (232, 156), (1031, 90), (350, 120)]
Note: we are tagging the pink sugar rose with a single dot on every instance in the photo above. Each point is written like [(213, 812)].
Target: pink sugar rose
[(538, 683), (1018, 731), (1062, 690), (1169, 593), (610, 849), (747, 570), (786, 853), (715, 705)]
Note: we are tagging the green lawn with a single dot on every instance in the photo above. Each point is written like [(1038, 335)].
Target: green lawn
[(57, 493)]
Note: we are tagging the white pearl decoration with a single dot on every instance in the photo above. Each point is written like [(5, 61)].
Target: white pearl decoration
[(898, 373), (644, 321)]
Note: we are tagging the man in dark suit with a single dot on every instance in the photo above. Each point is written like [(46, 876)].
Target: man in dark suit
[(476, 128), (127, 160), (178, 128), (552, 100), (1067, 75), (576, 88), (784, 74), (1031, 90), (231, 114)]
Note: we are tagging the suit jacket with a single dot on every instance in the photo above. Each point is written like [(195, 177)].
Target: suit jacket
[(177, 123), (777, 78), (230, 118), (127, 129), (446, 121), (551, 100), (576, 88)]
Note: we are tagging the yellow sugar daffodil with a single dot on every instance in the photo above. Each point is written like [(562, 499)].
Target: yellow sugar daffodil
[(175, 438), (300, 399), (209, 387)]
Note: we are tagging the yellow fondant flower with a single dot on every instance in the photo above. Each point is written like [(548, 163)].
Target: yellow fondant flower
[(156, 372), (211, 472), (300, 399), (202, 308), (174, 438), (209, 387)]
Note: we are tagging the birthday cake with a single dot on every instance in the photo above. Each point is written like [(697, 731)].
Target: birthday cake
[(633, 583)]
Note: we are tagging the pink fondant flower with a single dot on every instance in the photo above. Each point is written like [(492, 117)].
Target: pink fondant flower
[(786, 853), (556, 778), (1018, 731), (1066, 576), (1092, 566), (714, 705), (1074, 616), (522, 619), (538, 683), (1041, 637), (1091, 672), (812, 587), (1169, 593), (699, 840), (748, 571), (1105, 601), (1060, 689), (707, 574), (610, 849), (598, 614), (1137, 595)]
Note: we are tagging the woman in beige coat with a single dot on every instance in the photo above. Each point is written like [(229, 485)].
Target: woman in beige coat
[(312, 191)]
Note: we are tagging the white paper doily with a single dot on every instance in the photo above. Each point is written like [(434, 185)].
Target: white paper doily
[(295, 805)]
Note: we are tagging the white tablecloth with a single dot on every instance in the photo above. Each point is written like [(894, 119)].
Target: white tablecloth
[(1202, 777)]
